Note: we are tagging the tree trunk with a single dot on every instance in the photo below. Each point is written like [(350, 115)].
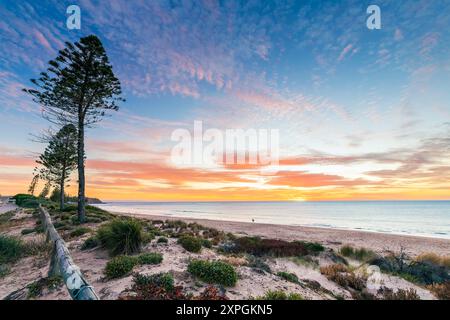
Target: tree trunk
[(61, 190), (81, 180)]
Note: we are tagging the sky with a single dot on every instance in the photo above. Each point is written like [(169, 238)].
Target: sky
[(361, 114)]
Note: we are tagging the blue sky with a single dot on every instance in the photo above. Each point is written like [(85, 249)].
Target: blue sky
[(376, 102)]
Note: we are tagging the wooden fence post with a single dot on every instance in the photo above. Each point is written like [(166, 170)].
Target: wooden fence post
[(62, 263)]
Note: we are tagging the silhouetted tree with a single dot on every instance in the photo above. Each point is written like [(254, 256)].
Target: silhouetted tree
[(33, 184), (46, 190), (78, 88), (60, 159)]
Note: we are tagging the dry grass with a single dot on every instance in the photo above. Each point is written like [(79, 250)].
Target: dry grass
[(441, 291), (344, 277), (235, 261), (401, 294), (434, 258)]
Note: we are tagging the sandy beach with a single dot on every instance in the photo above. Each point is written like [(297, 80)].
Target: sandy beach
[(379, 242), (312, 282)]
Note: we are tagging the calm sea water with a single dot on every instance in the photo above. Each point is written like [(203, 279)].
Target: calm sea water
[(419, 218)]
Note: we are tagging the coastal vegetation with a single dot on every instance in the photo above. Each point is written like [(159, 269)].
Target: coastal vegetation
[(279, 295), (217, 272), (122, 265), (190, 243), (121, 236), (138, 245), (360, 254)]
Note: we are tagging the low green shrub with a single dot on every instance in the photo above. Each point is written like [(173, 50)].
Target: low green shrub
[(5, 217), (119, 266), (90, 243), (150, 258), (27, 231), (206, 243), (213, 272), (35, 289), (258, 264), (147, 237), (121, 236), (77, 232), (26, 200), (4, 270), (190, 243), (164, 280), (312, 247), (162, 240), (11, 249), (280, 295), (291, 277)]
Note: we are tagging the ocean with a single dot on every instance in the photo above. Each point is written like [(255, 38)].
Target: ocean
[(418, 218)]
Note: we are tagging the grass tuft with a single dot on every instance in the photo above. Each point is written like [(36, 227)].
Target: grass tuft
[(121, 236)]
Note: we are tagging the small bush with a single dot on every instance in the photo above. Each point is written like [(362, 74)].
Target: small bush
[(206, 243), (162, 240), (360, 254), (26, 200), (433, 258), (4, 270), (119, 266), (150, 258), (35, 289), (341, 274), (5, 217), (27, 231), (400, 294), (258, 264), (280, 295), (312, 247), (190, 243), (147, 237), (425, 272), (164, 280), (278, 248), (79, 232), (291, 277), (11, 249), (155, 287), (211, 293), (121, 236), (213, 272), (90, 243)]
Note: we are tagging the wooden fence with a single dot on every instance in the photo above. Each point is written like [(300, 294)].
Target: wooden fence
[(63, 265)]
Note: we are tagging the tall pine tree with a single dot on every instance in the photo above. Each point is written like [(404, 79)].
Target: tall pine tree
[(78, 88)]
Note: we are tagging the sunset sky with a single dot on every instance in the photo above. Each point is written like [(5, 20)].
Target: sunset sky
[(362, 114)]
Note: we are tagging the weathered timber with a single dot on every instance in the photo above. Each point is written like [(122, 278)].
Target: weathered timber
[(62, 263)]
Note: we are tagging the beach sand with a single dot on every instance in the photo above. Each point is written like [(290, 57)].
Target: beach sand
[(333, 238)]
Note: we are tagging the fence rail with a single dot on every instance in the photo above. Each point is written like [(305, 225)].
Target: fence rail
[(63, 265)]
